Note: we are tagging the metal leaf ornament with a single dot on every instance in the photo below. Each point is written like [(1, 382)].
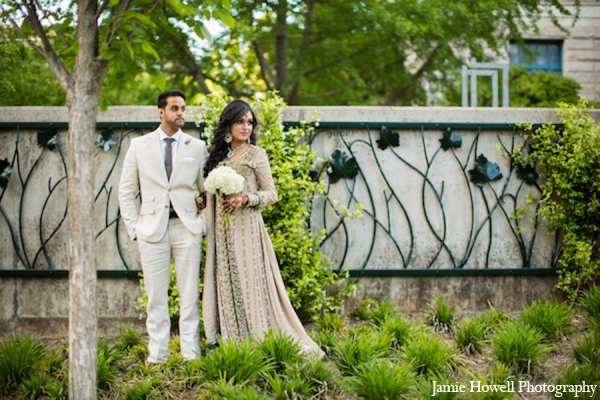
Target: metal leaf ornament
[(106, 139), (451, 140), (388, 138), (5, 170), (484, 171), (528, 174), (342, 167), (48, 138)]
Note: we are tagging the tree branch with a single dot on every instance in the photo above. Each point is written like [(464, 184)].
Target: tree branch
[(190, 62), (281, 44), (399, 93), (320, 95), (265, 68), (29, 11), (308, 21)]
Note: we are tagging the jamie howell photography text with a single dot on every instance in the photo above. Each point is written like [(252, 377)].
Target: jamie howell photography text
[(584, 390)]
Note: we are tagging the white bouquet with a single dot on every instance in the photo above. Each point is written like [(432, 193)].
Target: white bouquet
[(223, 182)]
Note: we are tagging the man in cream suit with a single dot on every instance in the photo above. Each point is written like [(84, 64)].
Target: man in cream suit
[(167, 167)]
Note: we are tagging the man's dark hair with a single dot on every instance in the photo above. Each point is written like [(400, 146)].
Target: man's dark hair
[(162, 98)]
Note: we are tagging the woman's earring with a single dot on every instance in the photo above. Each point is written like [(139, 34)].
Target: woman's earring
[(249, 142), (228, 137)]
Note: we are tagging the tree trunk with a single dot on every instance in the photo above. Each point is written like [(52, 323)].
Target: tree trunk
[(82, 99)]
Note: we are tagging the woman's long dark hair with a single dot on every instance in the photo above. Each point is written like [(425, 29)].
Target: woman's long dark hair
[(219, 147)]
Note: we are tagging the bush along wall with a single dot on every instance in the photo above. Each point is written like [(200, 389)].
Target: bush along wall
[(568, 158)]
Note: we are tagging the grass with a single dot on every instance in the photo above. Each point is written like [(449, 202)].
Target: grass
[(377, 352)]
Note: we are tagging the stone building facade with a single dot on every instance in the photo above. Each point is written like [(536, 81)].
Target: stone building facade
[(574, 54)]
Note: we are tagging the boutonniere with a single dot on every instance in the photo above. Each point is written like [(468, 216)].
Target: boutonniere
[(187, 141)]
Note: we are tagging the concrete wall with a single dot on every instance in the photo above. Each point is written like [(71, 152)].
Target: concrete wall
[(33, 206)]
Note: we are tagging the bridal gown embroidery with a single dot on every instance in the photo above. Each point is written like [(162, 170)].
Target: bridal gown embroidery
[(244, 294)]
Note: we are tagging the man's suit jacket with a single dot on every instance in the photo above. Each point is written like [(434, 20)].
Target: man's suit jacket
[(144, 168)]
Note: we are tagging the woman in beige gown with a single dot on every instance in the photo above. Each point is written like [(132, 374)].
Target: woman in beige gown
[(244, 294)]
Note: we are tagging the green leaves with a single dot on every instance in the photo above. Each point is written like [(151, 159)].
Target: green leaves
[(451, 140), (388, 138), (484, 171), (569, 157), (342, 166)]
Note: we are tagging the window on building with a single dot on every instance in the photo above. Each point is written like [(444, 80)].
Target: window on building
[(541, 55)]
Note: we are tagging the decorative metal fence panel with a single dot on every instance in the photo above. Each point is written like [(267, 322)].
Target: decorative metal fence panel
[(436, 198), (33, 206), (433, 198)]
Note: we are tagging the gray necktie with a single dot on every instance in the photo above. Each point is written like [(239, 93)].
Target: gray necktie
[(169, 157)]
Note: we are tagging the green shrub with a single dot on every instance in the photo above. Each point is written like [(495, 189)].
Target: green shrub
[(303, 266), (380, 379), (428, 355), (568, 158), (18, 356), (470, 334), (527, 89), (551, 318), (590, 301), (587, 350), (520, 346), (441, 316)]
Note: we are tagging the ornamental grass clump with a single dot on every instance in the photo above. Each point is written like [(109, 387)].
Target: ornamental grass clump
[(129, 338), (280, 350), (400, 329), (359, 346), (290, 387), (551, 318), (575, 374), (428, 355), (223, 389), (590, 302), (331, 322), (380, 379), (381, 311), (492, 319), (236, 363), (144, 389), (441, 316), (107, 371), (587, 350), (18, 357), (520, 346), (470, 334)]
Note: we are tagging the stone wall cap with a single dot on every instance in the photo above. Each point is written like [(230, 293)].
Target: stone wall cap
[(302, 113)]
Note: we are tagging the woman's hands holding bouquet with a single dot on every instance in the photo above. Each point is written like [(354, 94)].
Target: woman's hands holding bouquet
[(234, 202)]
